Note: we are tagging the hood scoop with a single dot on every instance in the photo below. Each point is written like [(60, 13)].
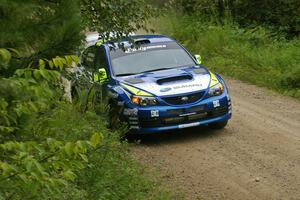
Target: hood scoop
[(134, 80), (199, 71), (174, 79)]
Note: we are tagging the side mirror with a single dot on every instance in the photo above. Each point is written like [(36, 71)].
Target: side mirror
[(100, 75), (198, 59)]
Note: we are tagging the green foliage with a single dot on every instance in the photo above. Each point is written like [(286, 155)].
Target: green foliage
[(279, 15), (252, 55), (39, 29), (32, 169), (58, 62), (6, 54), (33, 164), (120, 17)]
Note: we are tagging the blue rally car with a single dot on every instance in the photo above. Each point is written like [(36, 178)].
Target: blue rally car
[(154, 84)]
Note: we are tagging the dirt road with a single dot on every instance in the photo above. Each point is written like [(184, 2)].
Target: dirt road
[(256, 157)]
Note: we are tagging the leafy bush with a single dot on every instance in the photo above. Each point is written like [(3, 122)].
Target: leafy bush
[(34, 164)]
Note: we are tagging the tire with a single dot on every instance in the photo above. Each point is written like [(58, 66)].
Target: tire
[(114, 117), (218, 125)]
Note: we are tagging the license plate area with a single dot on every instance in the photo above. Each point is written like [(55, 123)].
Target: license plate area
[(183, 111), (185, 119)]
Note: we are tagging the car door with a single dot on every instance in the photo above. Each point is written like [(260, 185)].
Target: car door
[(101, 66), (101, 74)]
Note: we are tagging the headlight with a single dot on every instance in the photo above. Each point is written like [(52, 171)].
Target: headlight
[(144, 101), (216, 90)]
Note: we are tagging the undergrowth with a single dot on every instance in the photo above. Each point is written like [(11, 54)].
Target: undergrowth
[(54, 149), (111, 172)]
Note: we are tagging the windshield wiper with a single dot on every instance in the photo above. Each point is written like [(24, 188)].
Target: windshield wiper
[(128, 74), (153, 70)]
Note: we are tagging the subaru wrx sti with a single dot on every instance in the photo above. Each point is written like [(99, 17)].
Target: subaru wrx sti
[(154, 84)]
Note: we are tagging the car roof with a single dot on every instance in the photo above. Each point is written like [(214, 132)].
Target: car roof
[(93, 37), (152, 38)]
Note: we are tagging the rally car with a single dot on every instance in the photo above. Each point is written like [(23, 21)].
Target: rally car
[(154, 84)]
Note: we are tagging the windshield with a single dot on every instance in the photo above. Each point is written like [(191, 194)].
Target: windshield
[(148, 58)]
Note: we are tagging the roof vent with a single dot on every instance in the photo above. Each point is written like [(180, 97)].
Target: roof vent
[(141, 41)]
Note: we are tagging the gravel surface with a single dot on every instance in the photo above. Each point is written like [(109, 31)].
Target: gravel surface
[(257, 156)]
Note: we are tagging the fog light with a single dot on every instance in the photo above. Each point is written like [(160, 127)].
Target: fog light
[(144, 101), (135, 100)]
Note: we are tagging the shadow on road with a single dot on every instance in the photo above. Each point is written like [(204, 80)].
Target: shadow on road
[(175, 136)]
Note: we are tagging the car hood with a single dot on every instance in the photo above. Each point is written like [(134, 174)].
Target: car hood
[(170, 82)]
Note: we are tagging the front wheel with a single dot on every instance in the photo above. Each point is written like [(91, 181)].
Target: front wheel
[(218, 125), (114, 117)]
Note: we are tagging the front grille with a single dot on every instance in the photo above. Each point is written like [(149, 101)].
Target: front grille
[(150, 122), (196, 108), (168, 121), (175, 111), (184, 99)]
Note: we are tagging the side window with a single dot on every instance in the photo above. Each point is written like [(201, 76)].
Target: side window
[(88, 58), (101, 66)]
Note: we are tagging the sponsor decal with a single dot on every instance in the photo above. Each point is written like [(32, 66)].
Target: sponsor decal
[(229, 101), (135, 90), (132, 50), (113, 95), (166, 89), (213, 79), (229, 109), (189, 125), (134, 127), (187, 86), (187, 114), (216, 103), (133, 122), (228, 98), (154, 113), (130, 112), (120, 103)]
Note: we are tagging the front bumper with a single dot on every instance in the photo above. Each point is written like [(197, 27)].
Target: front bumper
[(162, 118)]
